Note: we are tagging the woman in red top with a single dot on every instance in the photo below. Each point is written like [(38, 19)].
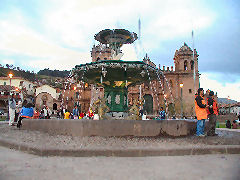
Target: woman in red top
[(36, 114)]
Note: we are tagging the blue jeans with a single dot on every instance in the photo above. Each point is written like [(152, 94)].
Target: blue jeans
[(200, 127)]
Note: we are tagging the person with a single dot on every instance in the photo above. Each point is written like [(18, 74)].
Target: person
[(66, 114), (26, 112), (201, 112), (49, 112), (90, 113), (81, 116), (212, 113), (228, 124), (36, 114), (75, 113), (18, 109), (162, 113), (144, 116), (234, 124), (12, 109), (44, 111)]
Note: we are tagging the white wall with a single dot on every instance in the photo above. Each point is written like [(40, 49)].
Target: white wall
[(47, 89)]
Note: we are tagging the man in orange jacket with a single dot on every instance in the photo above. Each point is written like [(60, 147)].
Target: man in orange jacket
[(201, 112), (212, 112)]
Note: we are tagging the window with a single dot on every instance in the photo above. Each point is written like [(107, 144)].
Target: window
[(192, 65), (98, 58), (4, 83), (105, 58), (190, 91), (185, 65), (29, 85)]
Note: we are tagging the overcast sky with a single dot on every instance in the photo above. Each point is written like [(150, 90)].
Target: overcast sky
[(59, 34)]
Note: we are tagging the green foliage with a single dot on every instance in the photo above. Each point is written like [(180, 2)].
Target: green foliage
[(54, 73), (17, 73)]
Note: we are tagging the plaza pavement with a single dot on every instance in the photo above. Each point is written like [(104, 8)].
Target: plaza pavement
[(22, 166)]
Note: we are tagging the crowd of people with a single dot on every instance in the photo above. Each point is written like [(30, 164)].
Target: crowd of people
[(206, 108)]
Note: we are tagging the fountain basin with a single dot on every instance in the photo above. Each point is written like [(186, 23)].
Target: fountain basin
[(108, 128)]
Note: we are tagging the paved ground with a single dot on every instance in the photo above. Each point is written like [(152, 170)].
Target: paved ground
[(22, 166)]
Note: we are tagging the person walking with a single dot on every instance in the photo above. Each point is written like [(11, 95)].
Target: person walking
[(212, 114), (201, 112), (12, 110)]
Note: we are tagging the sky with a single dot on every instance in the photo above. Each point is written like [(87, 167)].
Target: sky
[(59, 34)]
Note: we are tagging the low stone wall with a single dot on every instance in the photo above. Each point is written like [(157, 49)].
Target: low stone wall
[(223, 118), (72, 127)]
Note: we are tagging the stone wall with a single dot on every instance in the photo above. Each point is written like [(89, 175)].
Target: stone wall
[(174, 128)]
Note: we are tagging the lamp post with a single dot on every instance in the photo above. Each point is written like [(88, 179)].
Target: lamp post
[(181, 86), (10, 75), (74, 94), (228, 104)]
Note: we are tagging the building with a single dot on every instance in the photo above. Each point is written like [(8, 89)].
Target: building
[(20, 83), (230, 108), (6, 92), (47, 96)]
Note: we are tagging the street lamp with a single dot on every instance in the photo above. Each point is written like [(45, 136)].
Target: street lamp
[(229, 103), (10, 75), (74, 94), (181, 86)]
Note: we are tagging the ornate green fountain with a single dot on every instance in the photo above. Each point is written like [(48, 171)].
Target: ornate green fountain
[(115, 75)]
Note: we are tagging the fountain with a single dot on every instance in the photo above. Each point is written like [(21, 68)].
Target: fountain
[(115, 75)]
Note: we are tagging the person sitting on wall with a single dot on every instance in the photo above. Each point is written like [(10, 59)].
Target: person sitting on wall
[(162, 113), (234, 125), (36, 114), (26, 112), (228, 124), (144, 116), (75, 112), (67, 114)]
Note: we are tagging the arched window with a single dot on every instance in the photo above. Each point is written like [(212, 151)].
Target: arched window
[(98, 58), (105, 58), (192, 65), (185, 65)]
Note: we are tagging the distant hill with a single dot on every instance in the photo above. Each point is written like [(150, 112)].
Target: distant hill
[(226, 101), (17, 72), (54, 73), (54, 78)]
